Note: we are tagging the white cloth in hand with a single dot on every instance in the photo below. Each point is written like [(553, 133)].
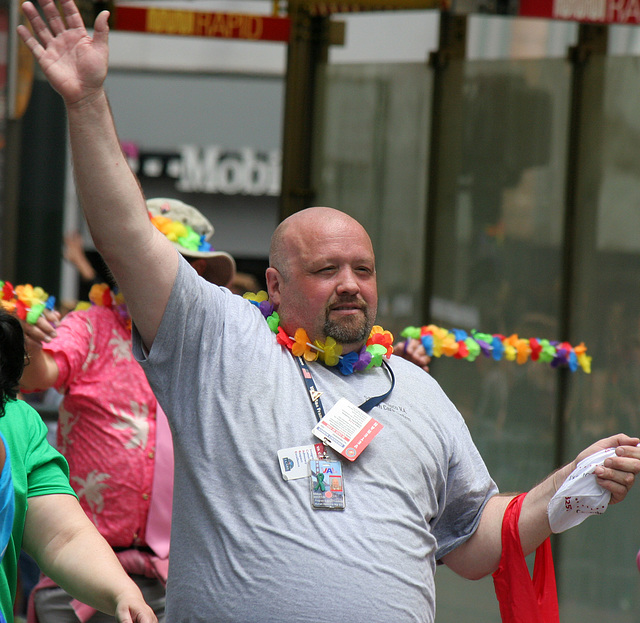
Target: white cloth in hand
[(579, 495)]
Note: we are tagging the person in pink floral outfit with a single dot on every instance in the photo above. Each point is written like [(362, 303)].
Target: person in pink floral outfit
[(108, 420)]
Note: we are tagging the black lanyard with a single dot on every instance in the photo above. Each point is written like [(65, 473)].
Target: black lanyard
[(314, 394)]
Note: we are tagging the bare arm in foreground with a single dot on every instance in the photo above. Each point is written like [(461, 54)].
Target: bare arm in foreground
[(142, 260), (480, 555), (69, 549)]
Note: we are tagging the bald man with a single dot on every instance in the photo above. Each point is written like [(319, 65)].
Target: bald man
[(273, 522)]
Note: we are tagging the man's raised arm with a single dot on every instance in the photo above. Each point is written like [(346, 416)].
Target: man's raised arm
[(142, 260)]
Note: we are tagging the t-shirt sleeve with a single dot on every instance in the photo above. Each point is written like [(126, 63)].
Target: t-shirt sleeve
[(202, 322), (468, 488), (47, 469), (185, 295)]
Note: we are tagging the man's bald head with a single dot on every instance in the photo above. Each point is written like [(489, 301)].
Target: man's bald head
[(308, 222), (322, 276)]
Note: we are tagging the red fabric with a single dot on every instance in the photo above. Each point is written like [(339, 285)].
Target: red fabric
[(521, 599)]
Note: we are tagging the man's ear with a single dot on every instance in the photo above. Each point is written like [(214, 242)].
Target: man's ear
[(274, 280), (200, 265)]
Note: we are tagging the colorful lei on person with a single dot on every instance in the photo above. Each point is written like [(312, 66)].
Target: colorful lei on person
[(181, 233), (101, 295), (27, 302), (378, 346), (459, 344)]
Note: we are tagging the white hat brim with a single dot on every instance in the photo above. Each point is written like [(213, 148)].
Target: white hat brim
[(221, 267)]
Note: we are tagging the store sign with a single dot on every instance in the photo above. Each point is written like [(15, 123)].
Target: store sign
[(597, 11), (201, 24), (211, 169)]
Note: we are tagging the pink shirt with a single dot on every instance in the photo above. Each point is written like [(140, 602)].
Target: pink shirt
[(106, 425)]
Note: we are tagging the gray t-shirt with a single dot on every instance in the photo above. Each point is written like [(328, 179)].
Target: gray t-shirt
[(247, 547)]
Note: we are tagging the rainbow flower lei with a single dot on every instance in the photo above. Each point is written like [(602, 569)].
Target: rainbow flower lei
[(27, 302), (378, 346), (459, 344), (102, 295), (181, 233)]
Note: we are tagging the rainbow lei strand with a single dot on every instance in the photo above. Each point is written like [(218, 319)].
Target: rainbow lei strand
[(181, 233), (460, 345), (102, 295), (378, 346), (27, 302)]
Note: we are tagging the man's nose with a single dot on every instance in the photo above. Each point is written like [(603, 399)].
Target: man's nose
[(348, 283)]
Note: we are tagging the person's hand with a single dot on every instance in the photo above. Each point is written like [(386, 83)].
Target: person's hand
[(44, 330), (412, 350), (133, 609), (619, 472), (74, 63)]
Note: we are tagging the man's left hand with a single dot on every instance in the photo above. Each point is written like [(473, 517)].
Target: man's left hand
[(619, 472), (412, 350)]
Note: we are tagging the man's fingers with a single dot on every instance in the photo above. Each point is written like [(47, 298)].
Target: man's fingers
[(29, 10), (619, 441), (72, 14), (27, 37), (618, 473), (618, 488), (54, 19), (101, 29), (41, 34)]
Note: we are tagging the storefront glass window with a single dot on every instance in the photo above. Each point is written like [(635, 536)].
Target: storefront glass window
[(498, 270), (498, 257), (372, 159), (599, 577), (501, 264)]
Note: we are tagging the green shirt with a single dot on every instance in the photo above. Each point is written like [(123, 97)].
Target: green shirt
[(37, 469)]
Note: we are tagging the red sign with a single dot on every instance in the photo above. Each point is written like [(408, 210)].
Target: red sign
[(596, 11), (200, 24)]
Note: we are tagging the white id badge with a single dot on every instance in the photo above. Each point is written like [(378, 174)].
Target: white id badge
[(327, 485), (347, 429), (294, 462)]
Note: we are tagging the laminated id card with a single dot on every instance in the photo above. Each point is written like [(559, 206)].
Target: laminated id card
[(326, 484), (347, 429)]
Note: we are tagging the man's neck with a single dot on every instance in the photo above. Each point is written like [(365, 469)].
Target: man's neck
[(352, 347)]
